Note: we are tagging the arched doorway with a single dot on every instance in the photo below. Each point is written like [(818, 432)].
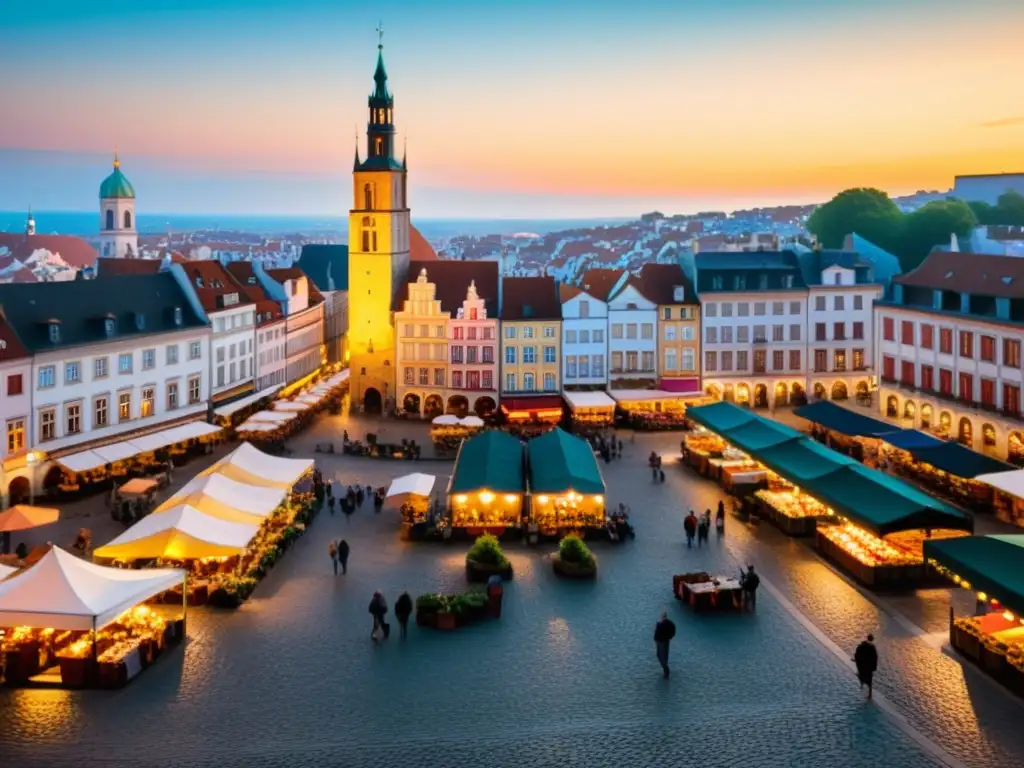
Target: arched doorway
[(839, 390), (945, 423), (965, 432), (781, 394), (411, 403), (458, 405), (988, 436), (1015, 448), (909, 410), (372, 401), (797, 396), (743, 394), (433, 407), (862, 389), (713, 390), (892, 407), (19, 491), (729, 393), (485, 406), (926, 417), (760, 396), (819, 391)]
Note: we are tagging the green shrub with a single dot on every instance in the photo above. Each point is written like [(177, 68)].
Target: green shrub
[(487, 551), (431, 602), (572, 550)]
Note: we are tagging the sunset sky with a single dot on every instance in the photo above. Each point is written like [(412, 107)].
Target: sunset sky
[(510, 109)]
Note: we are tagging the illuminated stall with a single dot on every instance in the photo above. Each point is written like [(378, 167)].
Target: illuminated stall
[(83, 624), (488, 484), (654, 408), (566, 487), (590, 409), (539, 409), (993, 568)]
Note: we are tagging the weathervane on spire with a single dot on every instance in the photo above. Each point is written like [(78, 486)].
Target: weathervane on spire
[(380, 34)]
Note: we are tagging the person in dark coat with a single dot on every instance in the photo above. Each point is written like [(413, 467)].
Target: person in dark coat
[(703, 526), (403, 609), (866, 659), (359, 496), (378, 609), (343, 556), (690, 526), (664, 631), (749, 582), (720, 520)]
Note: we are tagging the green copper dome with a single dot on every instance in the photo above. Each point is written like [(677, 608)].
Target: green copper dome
[(117, 184)]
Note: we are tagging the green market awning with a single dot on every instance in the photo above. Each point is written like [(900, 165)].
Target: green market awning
[(960, 460), (760, 434), (883, 504), (843, 420), (991, 564), (801, 460), (719, 417), (492, 461), (559, 462)]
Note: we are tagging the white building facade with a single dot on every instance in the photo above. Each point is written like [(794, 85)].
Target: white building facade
[(271, 354), (15, 415), (632, 338), (584, 340)]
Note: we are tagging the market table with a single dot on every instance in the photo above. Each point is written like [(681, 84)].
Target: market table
[(712, 593)]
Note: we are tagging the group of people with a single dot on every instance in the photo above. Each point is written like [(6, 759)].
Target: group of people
[(323, 491), (338, 551), (700, 527), (379, 611), (654, 462), (607, 447)]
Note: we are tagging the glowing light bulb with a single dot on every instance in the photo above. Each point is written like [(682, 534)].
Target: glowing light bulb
[(1008, 615), (510, 497), (599, 498), (543, 499), (462, 498), (982, 597), (486, 497)]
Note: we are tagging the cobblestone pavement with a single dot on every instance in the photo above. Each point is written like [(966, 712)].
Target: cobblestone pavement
[(566, 677)]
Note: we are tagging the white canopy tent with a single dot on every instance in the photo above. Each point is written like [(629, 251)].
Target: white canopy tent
[(252, 499), (63, 592), (271, 417), (416, 484), (226, 411), (644, 395), (154, 441), (588, 400), (181, 533), (286, 406), (7, 570), (1011, 482), (473, 422), (446, 420), (250, 465)]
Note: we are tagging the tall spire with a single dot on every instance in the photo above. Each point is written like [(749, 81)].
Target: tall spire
[(380, 96), (405, 147), (117, 162), (356, 166)]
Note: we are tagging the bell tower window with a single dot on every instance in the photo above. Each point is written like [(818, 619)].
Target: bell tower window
[(374, 242), (366, 241), (110, 220), (127, 219), (378, 146), (367, 197)]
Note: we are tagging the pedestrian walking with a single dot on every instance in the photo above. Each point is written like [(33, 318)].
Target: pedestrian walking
[(866, 659), (664, 631), (343, 556), (620, 448), (703, 526), (379, 609), (359, 496), (403, 609), (330, 504), (749, 582), (332, 549), (720, 520), (690, 527)]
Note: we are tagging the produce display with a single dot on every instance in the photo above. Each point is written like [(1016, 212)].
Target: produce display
[(793, 505), (913, 541), (573, 511), (117, 640), (705, 444), (867, 548), (472, 513)]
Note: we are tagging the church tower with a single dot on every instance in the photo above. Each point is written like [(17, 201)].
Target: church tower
[(30, 223), (118, 238), (378, 250)]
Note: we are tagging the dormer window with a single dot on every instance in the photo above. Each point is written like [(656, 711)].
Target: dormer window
[(54, 331), (109, 326), (199, 281), (179, 317), (252, 280), (838, 278), (678, 293), (140, 321)]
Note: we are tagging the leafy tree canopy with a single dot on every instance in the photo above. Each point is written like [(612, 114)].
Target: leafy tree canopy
[(868, 212), (1008, 210), (931, 225)]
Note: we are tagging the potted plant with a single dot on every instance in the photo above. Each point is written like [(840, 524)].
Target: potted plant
[(427, 608), (469, 607), (574, 559), (485, 559)]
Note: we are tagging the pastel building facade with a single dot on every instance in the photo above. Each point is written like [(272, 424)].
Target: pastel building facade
[(584, 339), (531, 326), (473, 347)]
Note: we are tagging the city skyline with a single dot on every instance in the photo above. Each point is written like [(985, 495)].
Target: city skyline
[(509, 111)]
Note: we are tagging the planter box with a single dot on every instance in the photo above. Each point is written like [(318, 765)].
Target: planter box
[(426, 619), (482, 572), (445, 620), (73, 672), (573, 570), (993, 662), (22, 664)]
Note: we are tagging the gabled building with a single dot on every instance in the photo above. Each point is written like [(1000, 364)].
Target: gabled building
[(271, 356), (632, 345), (473, 346), (304, 319), (948, 344), (422, 349), (584, 339), (531, 326), (678, 327)]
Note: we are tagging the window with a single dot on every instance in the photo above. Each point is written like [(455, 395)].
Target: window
[(510, 355), (172, 396), (946, 341), (726, 310), (172, 354), (231, 372), (743, 309), (711, 335), (510, 382), (616, 330), (670, 333), (819, 332), (666, 313), (743, 334), (487, 354), (570, 367), (510, 331), (570, 337), (966, 390), (927, 378), (47, 424), (820, 360), (858, 359), (616, 362), (549, 354), (549, 331), (837, 278), (858, 302), (946, 382), (73, 419), (409, 330), (888, 329), (488, 333), (906, 332), (794, 360), (599, 335), (759, 308), (858, 331), (988, 349), (549, 382), (839, 331), (726, 361), (46, 376), (630, 330), (778, 333), (99, 412), (439, 377), (794, 332), (759, 361), (15, 436), (838, 302), (148, 401), (966, 344), (1011, 353), (528, 382), (647, 331), (54, 333), (1011, 399), (457, 354), (889, 368), (819, 303), (487, 380), (72, 373), (760, 335), (193, 390), (907, 373), (528, 332), (424, 377), (195, 350), (529, 354), (670, 359), (688, 360), (778, 307), (778, 360), (741, 361), (424, 331), (988, 392), (456, 379), (470, 354), (584, 308), (711, 310), (439, 331), (794, 307), (14, 385), (409, 375), (124, 362), (584, 337), (688, 333), (148, 359), (710, 361)]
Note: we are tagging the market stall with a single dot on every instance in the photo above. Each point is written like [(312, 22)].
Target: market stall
[(1008, 498), (237, 411), (992, 567), (84, 624), (844, 430), (410, 495), (22, 517), (546, 409), (590, 410), (251, 466), (448, 431), (227, 499), (566, 487), (654, 408), (488, 484), (703, 592)]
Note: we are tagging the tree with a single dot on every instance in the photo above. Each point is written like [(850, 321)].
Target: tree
[(983, 212), (1010, 209), (931, 225), (868, 212)]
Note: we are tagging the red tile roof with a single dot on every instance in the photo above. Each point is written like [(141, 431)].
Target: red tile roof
[(419, 248), (975, 273), (73, 250), (105, 267), (243, 274), (566, 292), (294, 273), (452, 279), (657, 283), (530, 298), (599, 282), (24, 275), (11, 347), (211, 281)]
